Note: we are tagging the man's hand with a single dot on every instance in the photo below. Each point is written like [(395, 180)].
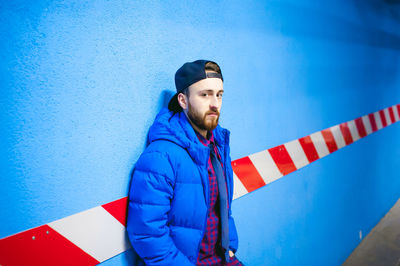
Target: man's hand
[(231, 254)]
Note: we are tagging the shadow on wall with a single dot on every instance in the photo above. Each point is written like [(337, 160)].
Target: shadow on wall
[(163, 101), (333, 28), (374, 15), (392, 1)]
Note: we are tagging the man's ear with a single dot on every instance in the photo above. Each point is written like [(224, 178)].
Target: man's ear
[(182, 100)]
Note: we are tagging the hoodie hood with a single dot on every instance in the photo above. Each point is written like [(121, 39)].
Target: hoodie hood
[(175, 127)]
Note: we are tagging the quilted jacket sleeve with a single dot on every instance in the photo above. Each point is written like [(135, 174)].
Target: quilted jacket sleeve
[(150, 195), (233, 237)]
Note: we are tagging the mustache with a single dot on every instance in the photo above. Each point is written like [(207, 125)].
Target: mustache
[(212, 112)]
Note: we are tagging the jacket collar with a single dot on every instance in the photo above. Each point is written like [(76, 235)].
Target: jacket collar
[(176, 128)]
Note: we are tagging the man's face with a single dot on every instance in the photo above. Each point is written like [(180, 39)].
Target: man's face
[(204, 103)]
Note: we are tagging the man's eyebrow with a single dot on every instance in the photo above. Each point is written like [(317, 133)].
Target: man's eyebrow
[(210, 90)]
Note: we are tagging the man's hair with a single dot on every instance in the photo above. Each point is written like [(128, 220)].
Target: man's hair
[(211, 66), (186, 91)]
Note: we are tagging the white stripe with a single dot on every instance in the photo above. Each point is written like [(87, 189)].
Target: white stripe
[(265, 166), (297, 154), (387, 115), (367, 124), (396, 114), (378, 120), (238, 188), (353, 130), (319, 144), (95, 231), (337, 135)]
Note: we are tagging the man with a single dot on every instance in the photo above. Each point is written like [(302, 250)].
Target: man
[(179, 210)]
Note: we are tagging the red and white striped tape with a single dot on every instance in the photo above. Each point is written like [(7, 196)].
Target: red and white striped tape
[(257, 170), (85, 238), (93, 236)]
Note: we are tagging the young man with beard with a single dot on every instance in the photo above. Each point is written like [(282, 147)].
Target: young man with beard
[(179, 210)]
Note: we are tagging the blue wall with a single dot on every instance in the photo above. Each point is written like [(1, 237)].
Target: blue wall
[(81, 82)]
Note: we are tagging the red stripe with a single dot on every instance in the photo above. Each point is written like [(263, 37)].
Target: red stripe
[(391, 114), (398, 109), (329, 140), (247, 173), (373, 123), (118, 209), (346, 133), (383, 118), (282, 159), (361, 128), (309, 148), (42, 246)]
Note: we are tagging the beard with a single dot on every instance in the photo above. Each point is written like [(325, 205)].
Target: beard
[(201, 121)]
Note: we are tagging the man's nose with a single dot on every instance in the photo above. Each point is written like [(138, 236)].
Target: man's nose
[(214, 101)]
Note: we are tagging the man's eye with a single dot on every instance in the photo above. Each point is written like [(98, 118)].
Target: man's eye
[(204, 94)]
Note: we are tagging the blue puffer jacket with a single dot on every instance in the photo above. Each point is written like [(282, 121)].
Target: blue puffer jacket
[(169, 193)]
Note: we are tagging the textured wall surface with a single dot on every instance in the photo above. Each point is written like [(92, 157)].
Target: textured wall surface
[(81, 82)]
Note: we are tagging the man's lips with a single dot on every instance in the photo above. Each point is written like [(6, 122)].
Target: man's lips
[(212, 114)]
